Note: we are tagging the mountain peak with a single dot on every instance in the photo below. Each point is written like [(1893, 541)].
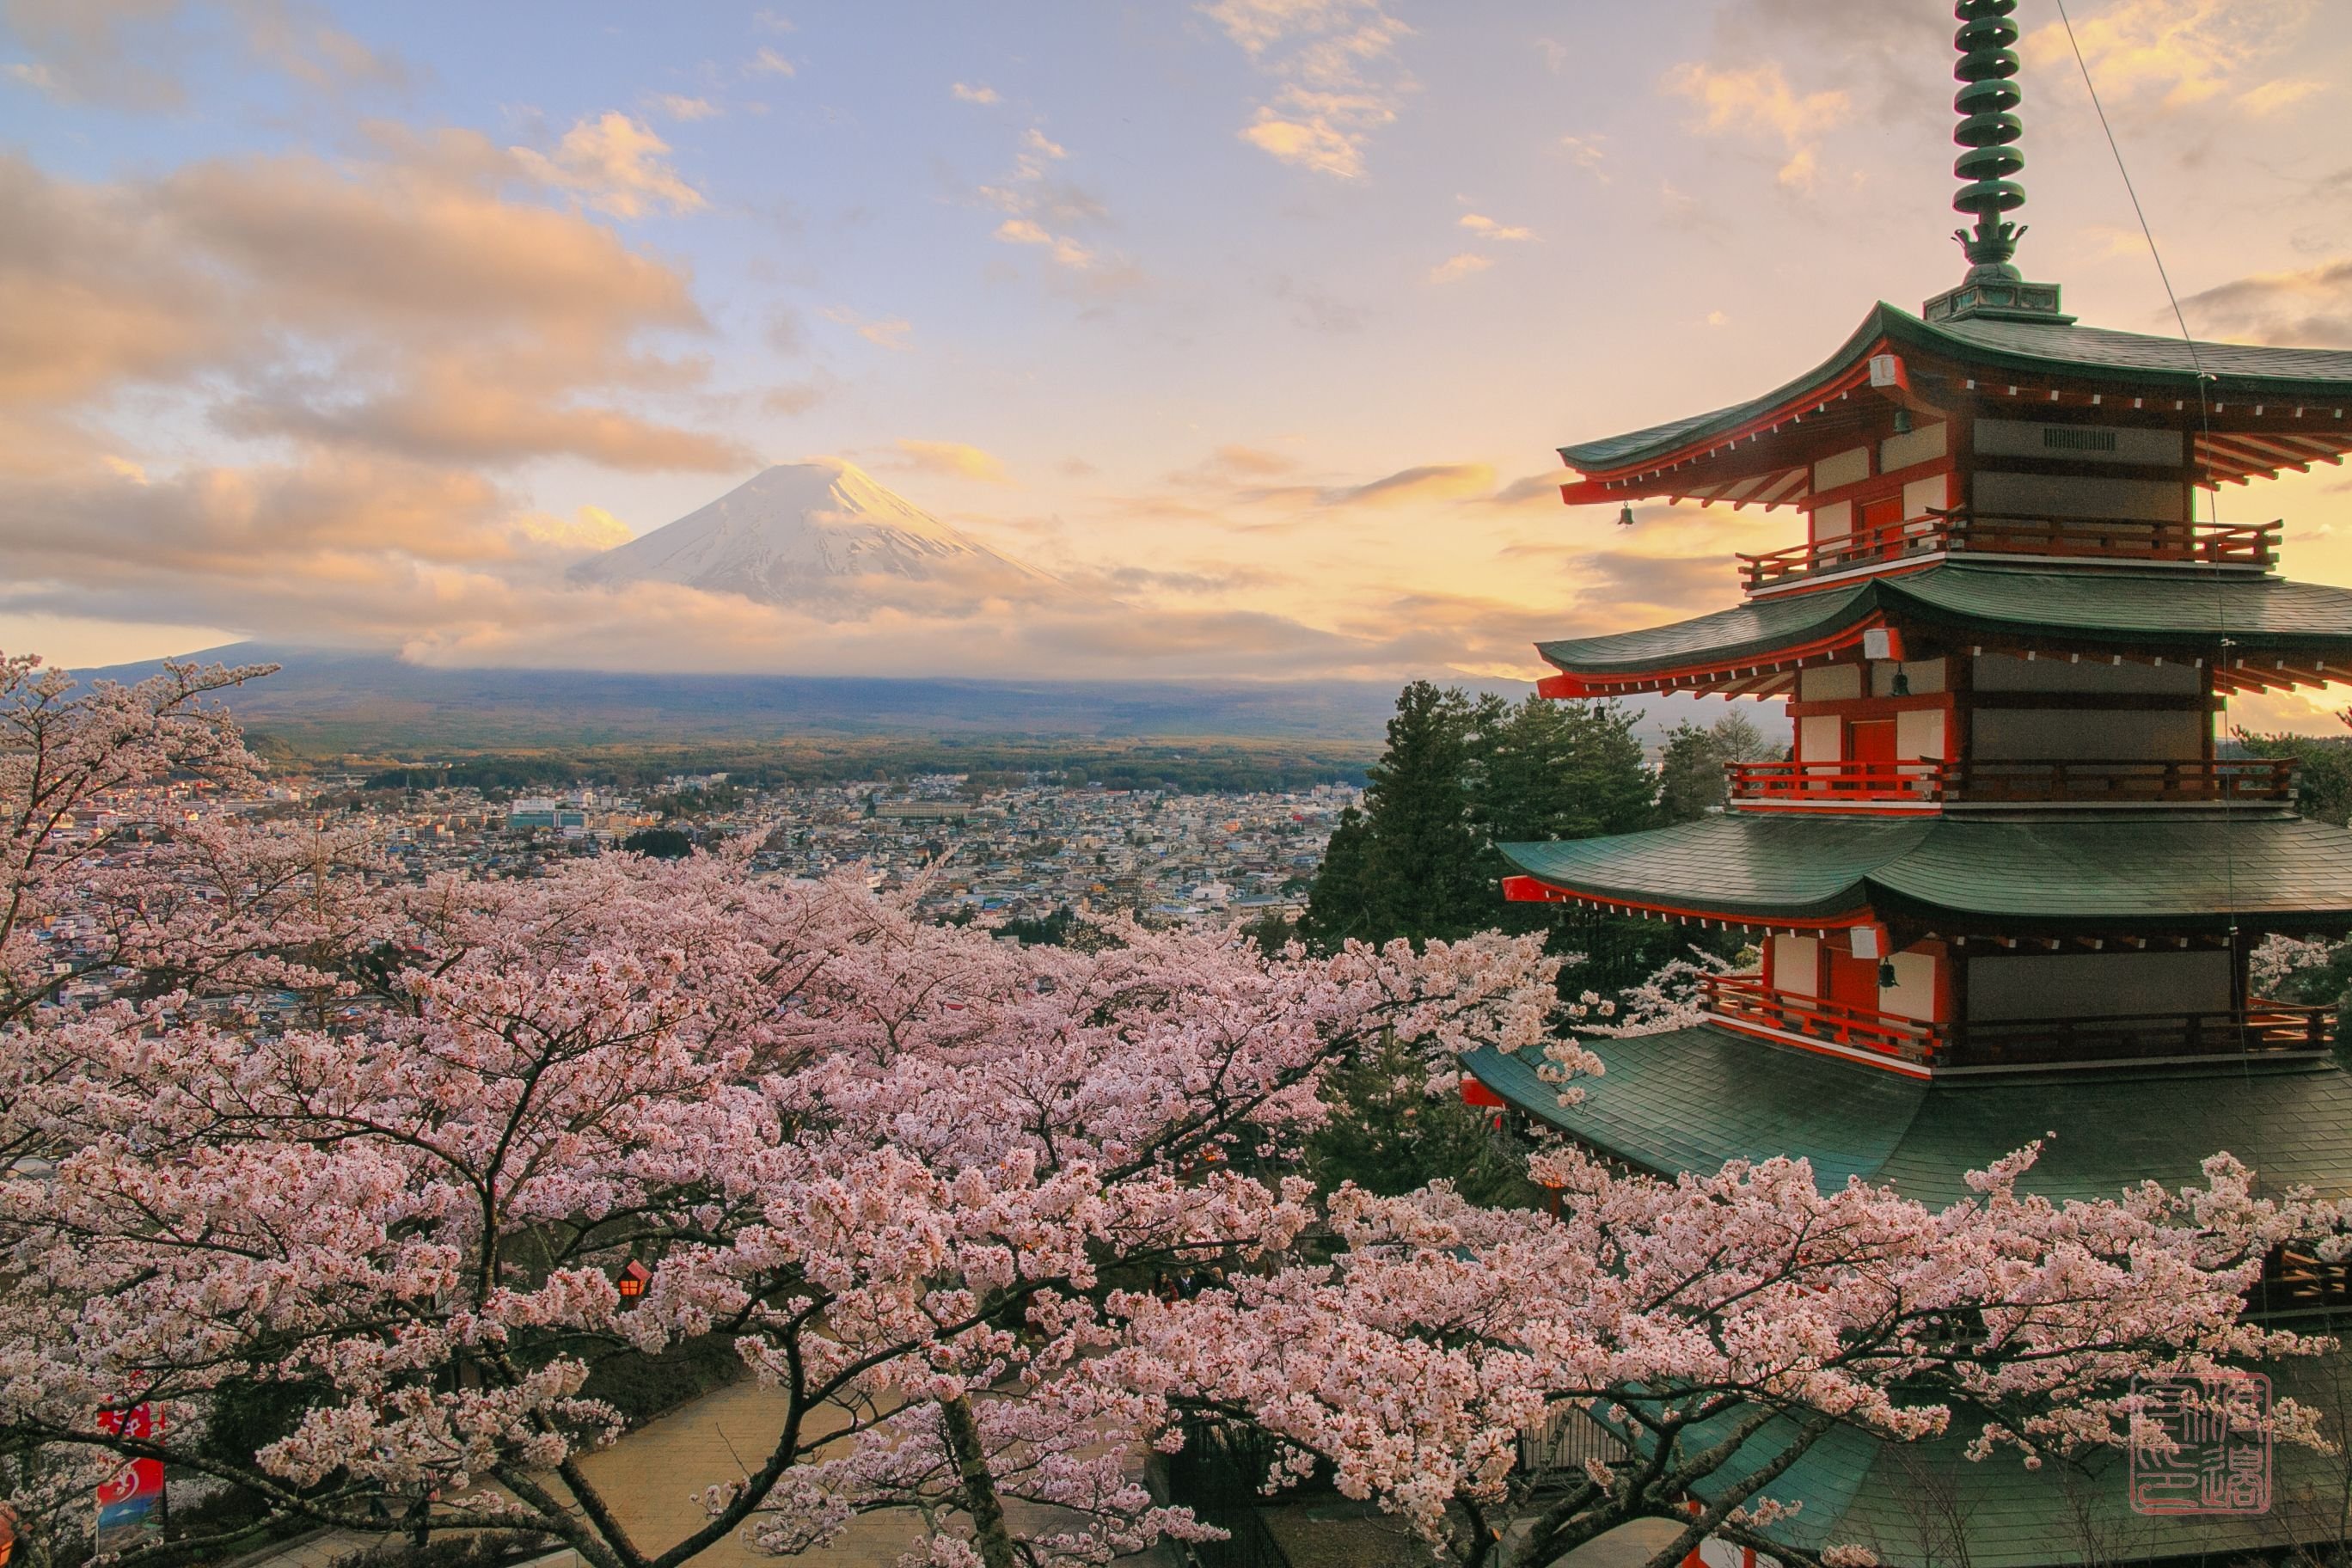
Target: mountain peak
[(823, 533)]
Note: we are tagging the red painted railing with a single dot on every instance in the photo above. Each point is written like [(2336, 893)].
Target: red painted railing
[(2205, 543), (1825, 782), (1744, 999), (2264, 1026), (2074, 780)]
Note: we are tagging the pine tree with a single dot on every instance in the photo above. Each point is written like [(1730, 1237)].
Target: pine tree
[(1422, 872), (1690, 774), (1337, 905)]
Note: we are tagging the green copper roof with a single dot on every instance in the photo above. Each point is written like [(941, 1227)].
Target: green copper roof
[(2115, 871), (1907, 1502), (2168, 365), (1691, 1099), (2153, 609), (1758, 628)]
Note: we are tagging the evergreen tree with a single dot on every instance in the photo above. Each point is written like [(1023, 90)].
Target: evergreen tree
[(1691, 781), (1690, 775), (1337, 905), (1388, 1134), (1423, 875)]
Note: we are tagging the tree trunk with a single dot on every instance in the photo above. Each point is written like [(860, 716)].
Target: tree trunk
[(989, 1532)]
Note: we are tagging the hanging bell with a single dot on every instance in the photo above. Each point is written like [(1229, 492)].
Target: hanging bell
[(1903, 422), (1886, 974), (1625, 515)]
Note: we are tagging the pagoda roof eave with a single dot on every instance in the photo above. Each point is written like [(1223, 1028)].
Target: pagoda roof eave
[(2170, 366), (2078, 873), (1693, 1098), (2149, 611)]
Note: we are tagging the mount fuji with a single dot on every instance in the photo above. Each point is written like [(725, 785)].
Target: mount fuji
[(814, 535)]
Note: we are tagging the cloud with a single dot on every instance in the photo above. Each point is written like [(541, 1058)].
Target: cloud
[(974, 93), (2181, 52), (1251, 461), (768, 62), (398, 306), (1535, 488), (1335, 60), (1427, 482), (127, 54), (952, 458), (1758, 101), (1455, 267), (1486, 227), (1043, 209), (793, 398), (678, 105), (887, 332), (1588, 153), (2312, 307), (589, 529), (296, 39), (616, 163), (2272, 97)]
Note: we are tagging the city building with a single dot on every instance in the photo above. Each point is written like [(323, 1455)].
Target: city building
[(2009, 882)]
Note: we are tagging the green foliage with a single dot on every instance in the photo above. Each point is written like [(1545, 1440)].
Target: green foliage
[(1272, 932), (1388, 1134), (661, 843), (2324, 783), (491, 775), (1053, 930), (1338, 904), (1458, 778), (1690, 774)]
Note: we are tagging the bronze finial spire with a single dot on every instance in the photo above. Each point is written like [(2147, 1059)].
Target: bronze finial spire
[(1988, 128), (1987, 133)]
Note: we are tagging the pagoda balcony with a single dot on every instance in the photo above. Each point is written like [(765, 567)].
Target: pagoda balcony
[(2247, 544), (2226, 781), (2263, 1028)]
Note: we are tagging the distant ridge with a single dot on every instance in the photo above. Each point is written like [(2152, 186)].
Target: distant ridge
[(343, 700)]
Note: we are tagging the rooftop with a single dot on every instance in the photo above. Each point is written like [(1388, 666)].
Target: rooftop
[(2151, 610), (2118, 874)]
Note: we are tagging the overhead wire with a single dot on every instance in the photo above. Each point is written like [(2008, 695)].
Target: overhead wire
[(2211, 487)]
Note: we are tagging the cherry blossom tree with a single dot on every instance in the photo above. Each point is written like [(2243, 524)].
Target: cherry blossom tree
[(900, 1165), (65, 750), (1721, 1326)]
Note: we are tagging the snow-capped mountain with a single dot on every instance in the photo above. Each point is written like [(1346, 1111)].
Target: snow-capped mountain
[(821, 534)]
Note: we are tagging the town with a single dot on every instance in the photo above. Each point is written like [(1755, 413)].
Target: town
[(1022, 860)]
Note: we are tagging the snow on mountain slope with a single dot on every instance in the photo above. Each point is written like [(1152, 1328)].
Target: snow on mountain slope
[(813, 534)]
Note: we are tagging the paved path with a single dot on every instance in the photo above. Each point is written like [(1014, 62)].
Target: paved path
[(651, 1478)]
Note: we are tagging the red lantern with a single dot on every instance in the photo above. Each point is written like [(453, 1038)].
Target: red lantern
[(633, 1280), (1477, 1093)]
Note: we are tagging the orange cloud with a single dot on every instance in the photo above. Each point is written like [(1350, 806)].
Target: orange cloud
[(616, 164), (952, 458)]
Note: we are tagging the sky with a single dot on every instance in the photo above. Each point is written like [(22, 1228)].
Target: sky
[(1254, 323)]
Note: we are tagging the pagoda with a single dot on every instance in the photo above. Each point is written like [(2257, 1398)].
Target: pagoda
[(2008, 881)]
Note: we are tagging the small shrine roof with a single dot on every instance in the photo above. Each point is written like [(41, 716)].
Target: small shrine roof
[(2156, 610), (2114, 872), (2034, 348)]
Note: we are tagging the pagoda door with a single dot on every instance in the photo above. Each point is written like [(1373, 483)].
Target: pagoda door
[(1872, 741), (1880, 524), (1853, 982)]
